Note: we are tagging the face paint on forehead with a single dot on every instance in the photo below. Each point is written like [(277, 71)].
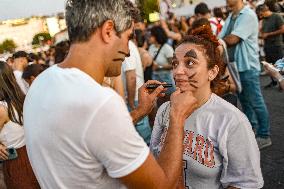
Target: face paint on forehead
[(191, 53)]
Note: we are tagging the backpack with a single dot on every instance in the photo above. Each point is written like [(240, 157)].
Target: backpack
[(217, 24)]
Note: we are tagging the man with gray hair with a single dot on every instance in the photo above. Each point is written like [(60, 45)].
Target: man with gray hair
[(80, 134)]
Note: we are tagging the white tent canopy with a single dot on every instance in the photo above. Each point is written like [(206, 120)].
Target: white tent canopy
[(188, 10)]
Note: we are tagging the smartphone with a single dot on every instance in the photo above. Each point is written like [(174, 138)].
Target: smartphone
[(154, 86), (12, 153)]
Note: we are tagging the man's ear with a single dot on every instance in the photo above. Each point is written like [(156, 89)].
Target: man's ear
[(213, 73), (108, 31)]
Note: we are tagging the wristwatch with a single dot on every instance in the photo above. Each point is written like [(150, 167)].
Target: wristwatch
[(160, 67)]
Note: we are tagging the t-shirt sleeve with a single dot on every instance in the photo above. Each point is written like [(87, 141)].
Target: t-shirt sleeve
[(241, 29), (112, 139), (241, 157), (279, 21), (169, 51), (129, 62), (158, 130)]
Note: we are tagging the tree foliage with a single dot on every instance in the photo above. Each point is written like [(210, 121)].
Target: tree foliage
[(148, 6), (8, 45), (41, 37)]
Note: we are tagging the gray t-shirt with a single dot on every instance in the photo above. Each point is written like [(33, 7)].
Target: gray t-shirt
[(220, 149), (272, 24)]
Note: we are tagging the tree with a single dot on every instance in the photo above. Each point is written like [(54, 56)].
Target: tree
[(7, 45), (147, 7), (41, 38)]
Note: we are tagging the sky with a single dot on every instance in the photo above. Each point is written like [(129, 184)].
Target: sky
[(12, 9)]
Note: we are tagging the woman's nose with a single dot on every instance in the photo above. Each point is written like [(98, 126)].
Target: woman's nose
[(179, 69)]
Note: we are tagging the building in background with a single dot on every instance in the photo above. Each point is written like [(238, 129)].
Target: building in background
[(22, 31)]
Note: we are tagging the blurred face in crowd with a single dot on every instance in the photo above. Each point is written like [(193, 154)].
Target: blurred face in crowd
[(23, 61), (232, 3), (190, 68), (152, 40)]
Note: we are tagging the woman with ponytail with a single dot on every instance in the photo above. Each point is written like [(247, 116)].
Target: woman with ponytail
[(220, 150), (17, 170)]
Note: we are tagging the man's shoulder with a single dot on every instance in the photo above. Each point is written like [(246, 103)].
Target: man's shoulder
[(70, 82), (248, 12)]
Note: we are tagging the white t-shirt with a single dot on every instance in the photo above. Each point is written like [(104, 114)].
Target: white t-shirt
[(12, 134), (220, 149), (165, 53), (133, 62), (213, 23), (21, 82), (78, 133)]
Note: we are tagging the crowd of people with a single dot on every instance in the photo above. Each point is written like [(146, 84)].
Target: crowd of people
[(82, 113)]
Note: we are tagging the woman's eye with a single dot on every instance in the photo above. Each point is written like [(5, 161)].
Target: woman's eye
[(174, 63), (190, 63)]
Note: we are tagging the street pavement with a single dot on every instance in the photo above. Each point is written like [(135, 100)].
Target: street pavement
[(272, 158)]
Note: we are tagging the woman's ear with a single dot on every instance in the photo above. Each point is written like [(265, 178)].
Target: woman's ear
[(213, 72)]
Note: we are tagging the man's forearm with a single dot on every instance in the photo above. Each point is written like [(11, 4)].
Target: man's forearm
[(277, 32), (170, 158), (137, 115), (231, 40), (131, 88)]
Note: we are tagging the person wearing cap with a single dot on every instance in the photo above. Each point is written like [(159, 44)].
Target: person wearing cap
[(202, 11), (21, 60)]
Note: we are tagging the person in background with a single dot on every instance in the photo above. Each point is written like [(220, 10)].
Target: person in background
[(202, 11), (21, 61), (133, 73), (217, 20), (18, 172), (242, 44), (162, 54), (140, 42), (32, 71), (272, 33), (61, 51), (275, 71)]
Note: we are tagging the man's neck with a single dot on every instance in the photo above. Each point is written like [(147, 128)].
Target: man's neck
[(86, 59), (19, 67), (267, 14)]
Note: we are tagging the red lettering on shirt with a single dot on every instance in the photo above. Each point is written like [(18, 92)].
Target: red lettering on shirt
[(198, 150), (188, 139), (209, 157)]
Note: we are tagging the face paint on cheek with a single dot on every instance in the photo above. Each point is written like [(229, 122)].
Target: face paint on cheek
[(192, 82), (124, 53), (121, 59)]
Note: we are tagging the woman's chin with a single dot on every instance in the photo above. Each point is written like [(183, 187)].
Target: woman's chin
[(186, 88)]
